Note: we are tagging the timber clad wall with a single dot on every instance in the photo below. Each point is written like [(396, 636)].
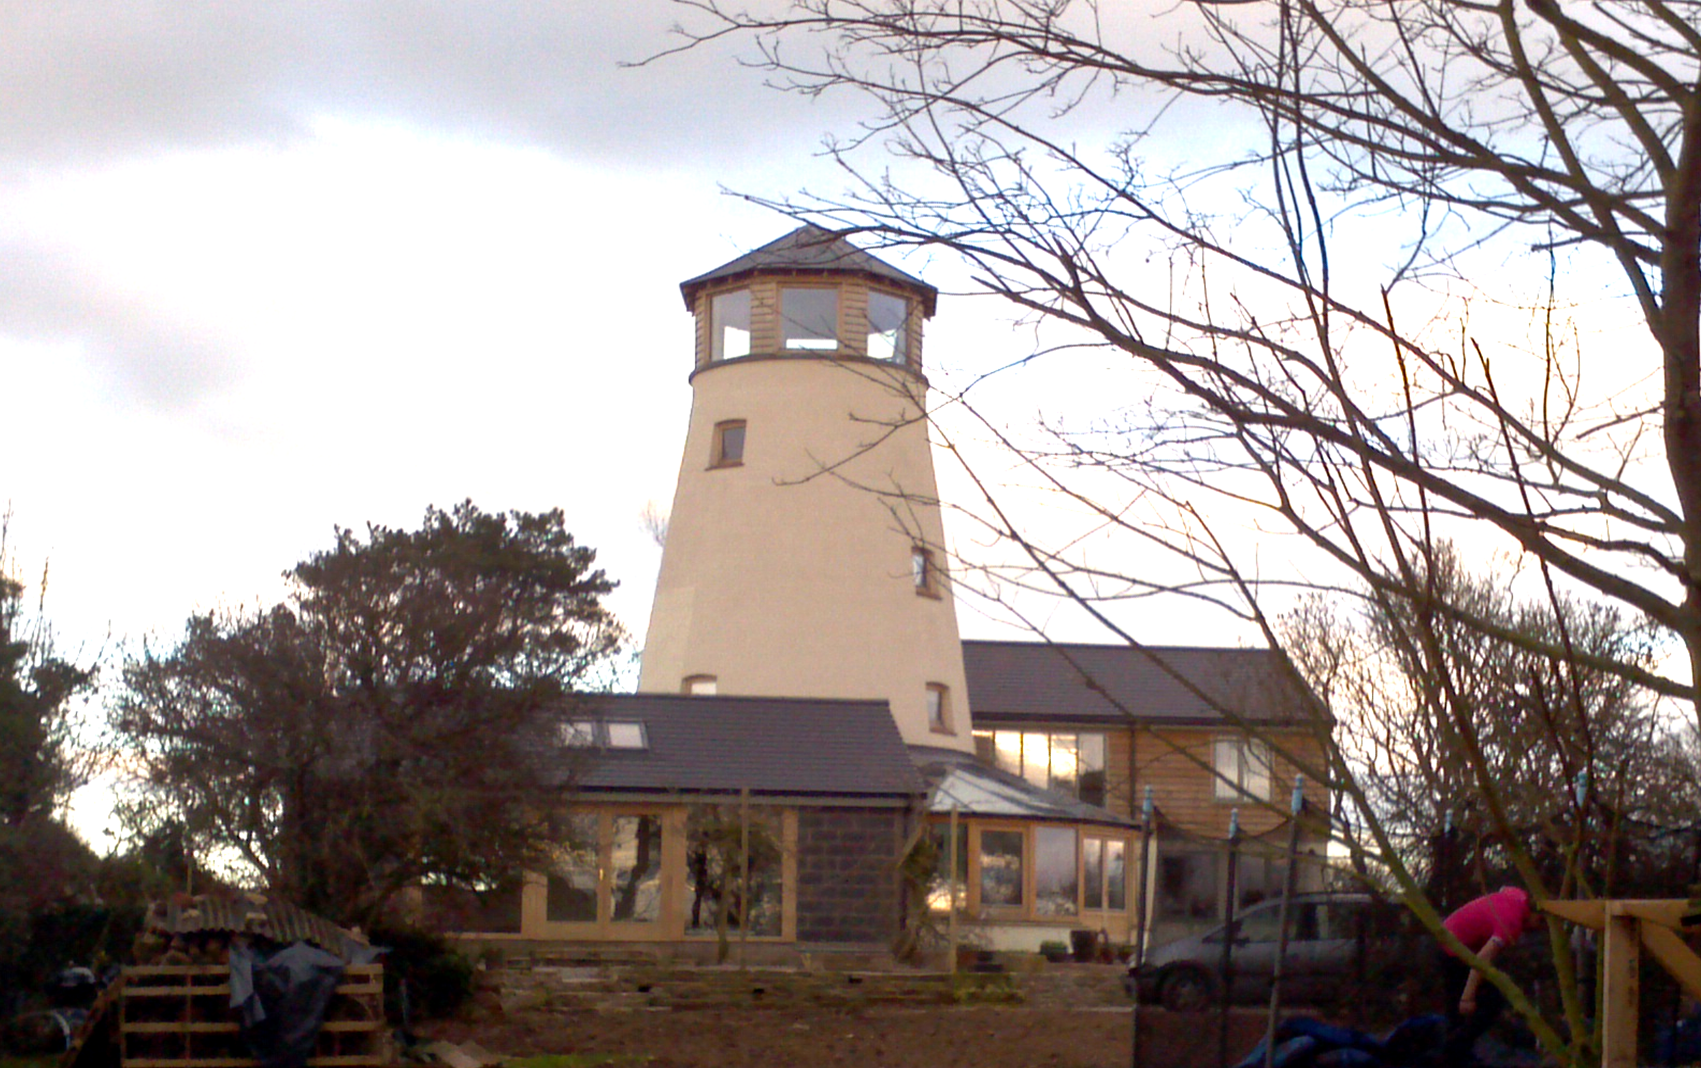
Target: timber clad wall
[(847, 890), (1185, 789)]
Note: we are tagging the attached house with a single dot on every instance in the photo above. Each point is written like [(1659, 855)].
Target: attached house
[(1212, 733)]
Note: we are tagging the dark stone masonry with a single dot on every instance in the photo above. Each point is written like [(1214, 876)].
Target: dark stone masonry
[(847, 885)]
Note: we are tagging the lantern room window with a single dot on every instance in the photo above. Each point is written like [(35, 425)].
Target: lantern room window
[(729, 323), (888, 327), (809, 319)]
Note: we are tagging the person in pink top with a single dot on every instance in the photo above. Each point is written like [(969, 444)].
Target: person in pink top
[(1486, 927)]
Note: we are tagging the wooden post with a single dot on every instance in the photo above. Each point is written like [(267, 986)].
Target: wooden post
[(1620, 958), (744, 898), (951, 880), (1294, 808), (1229, 937), (1140, 926)]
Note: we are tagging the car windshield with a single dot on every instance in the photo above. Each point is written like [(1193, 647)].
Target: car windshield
[(1264, 923)]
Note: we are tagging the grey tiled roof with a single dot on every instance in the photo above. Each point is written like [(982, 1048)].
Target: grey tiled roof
[(962, 783), (1033, 681), (770, 745), (810, 250)]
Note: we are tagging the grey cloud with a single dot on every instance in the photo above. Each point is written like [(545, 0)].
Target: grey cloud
[(87, 79), (167, 365)]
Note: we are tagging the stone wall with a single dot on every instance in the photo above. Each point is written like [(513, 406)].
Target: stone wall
[(847, 882)]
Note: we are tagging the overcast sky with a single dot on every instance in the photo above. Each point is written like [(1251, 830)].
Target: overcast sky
[(270, 268)]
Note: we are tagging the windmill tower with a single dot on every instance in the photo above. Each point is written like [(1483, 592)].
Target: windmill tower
[(805, 550)]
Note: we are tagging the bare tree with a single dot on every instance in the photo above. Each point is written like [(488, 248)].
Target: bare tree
[(1544, 727), (1368, 316)]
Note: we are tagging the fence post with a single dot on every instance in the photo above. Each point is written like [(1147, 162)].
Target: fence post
[(951, 880), (1229, 933), (1140, 925), (1294, 809), (744, 889)]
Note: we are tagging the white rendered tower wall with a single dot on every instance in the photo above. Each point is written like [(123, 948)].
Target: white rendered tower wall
[(805, 547)]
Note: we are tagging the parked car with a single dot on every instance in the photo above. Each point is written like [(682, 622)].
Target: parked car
[(1333, 940)]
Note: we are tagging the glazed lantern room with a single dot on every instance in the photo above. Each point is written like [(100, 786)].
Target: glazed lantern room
[(809, 294)]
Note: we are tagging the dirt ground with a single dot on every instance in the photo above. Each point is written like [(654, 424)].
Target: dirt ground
[(868, 1037)]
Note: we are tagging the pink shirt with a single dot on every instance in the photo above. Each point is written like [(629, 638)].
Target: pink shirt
[(1498, 915)]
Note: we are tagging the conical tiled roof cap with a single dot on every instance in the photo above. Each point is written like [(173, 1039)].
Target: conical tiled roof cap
[(810, 250)]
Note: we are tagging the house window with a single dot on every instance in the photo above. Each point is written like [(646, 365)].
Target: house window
[(729, 444), (888, 327), (579, 733), (1001, 858), (1070, 762), (734, 875), (1104, 873), (924, 571), (626, 735), (729, 325), (591, 734), (635, 855), (607, 870), (699, 685), (809, 319), (939, 709), (1243, 769), (571, 893), (1187, 886), (949, 883), (1057, 887), (1258, 878)]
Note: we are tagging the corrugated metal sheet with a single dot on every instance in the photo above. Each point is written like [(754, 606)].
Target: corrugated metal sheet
[(255, 914)]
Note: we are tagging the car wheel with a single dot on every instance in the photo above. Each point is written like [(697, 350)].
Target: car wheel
[(1187, 990)]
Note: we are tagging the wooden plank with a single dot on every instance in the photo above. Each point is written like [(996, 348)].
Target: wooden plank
[(177, 969), (1666, 913), (211, 989), (1676, 957), (1590, 914), (1619, 995), (1593, 913), (351, 1061)]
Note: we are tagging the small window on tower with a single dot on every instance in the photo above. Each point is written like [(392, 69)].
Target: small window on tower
[(699, 685), (924, 571), (809, 319), (729, 444), (939, 709), (888, 327), (729, 325)]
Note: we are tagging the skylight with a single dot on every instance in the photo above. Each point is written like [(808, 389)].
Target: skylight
[(593, 734)]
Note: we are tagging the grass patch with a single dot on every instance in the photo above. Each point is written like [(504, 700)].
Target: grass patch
[(992, 988), (40, 1060)]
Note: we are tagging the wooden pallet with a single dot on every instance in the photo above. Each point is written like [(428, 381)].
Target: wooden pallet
[(179, 1016)]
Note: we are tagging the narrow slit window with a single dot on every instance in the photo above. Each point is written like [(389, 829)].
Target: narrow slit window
[(924, 571), (729, 324), (809, 320), (939, 709), (729, 444)]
